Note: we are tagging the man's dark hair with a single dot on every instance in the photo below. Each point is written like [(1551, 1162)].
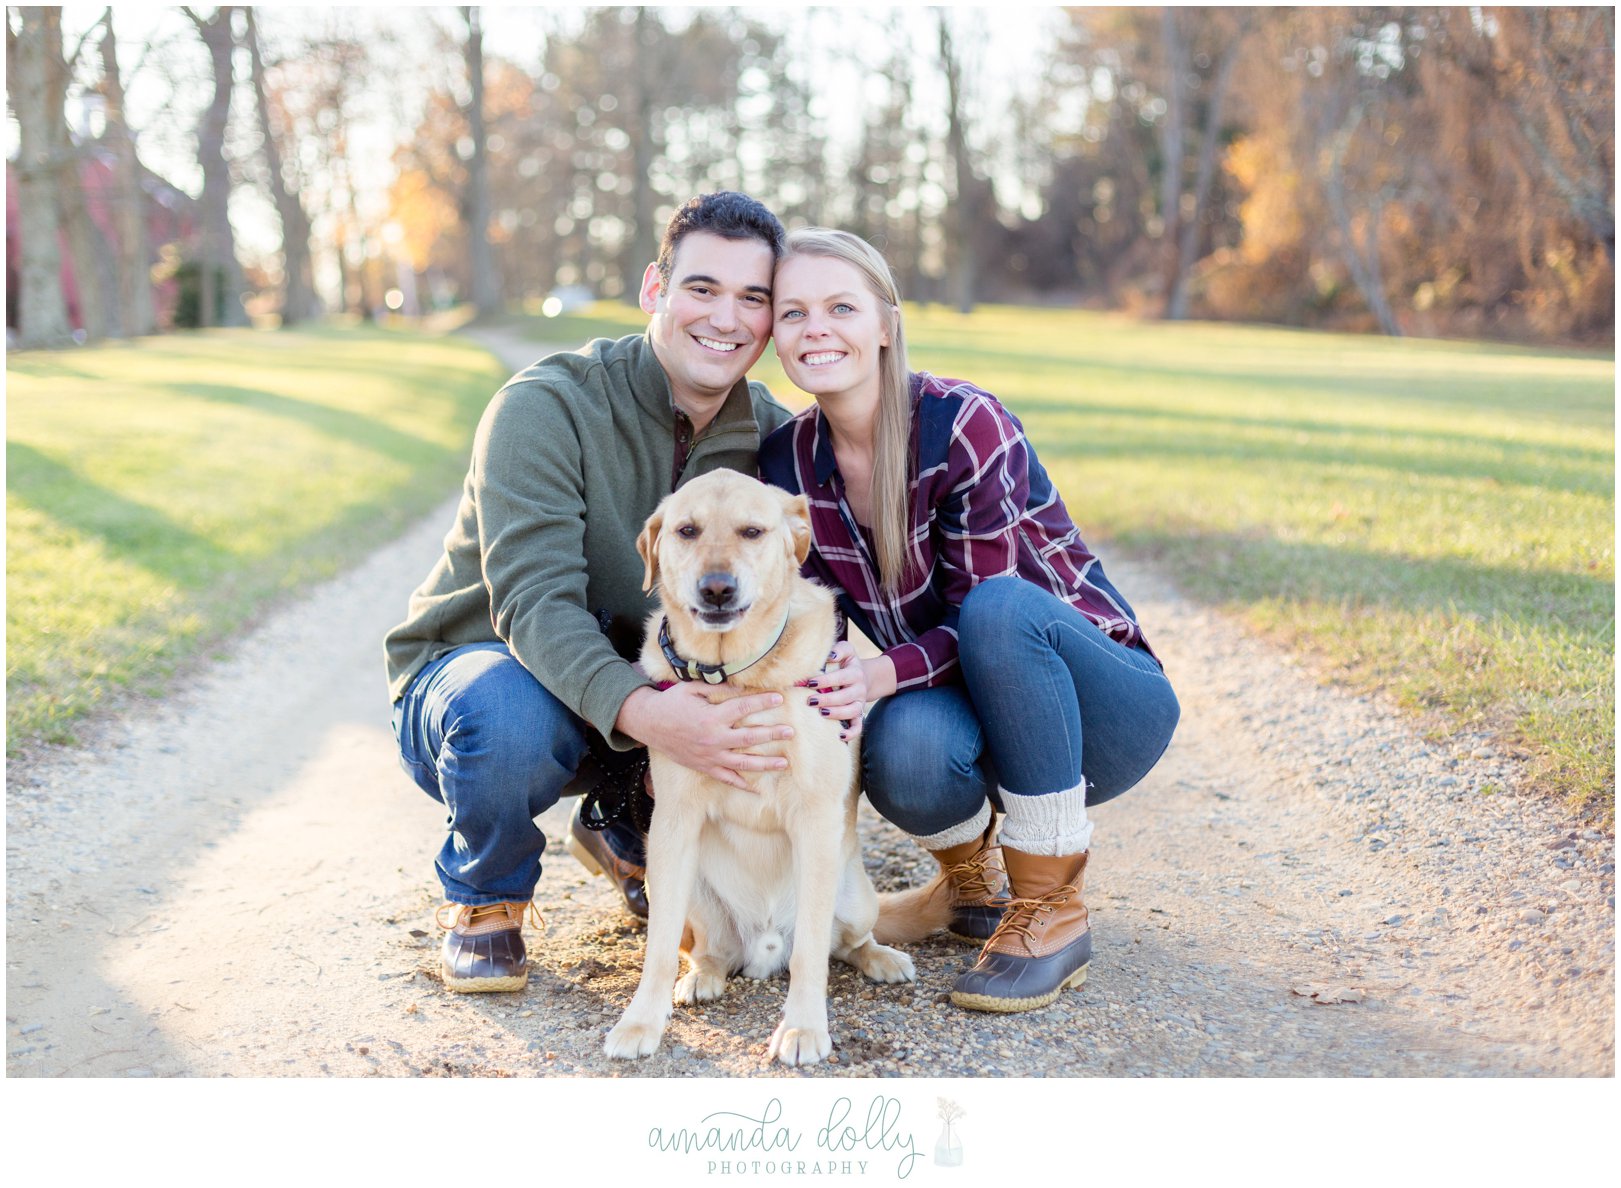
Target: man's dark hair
[(725, 213)]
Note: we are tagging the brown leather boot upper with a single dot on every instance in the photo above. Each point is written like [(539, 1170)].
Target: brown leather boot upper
[(978, 885), (1046, 912)]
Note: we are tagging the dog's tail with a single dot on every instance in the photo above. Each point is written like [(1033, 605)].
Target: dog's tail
[(911, 915)]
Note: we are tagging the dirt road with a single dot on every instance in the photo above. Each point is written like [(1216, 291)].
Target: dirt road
[(237, 881)]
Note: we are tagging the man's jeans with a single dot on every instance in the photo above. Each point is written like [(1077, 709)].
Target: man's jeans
[(1046, 700), (478, 733)]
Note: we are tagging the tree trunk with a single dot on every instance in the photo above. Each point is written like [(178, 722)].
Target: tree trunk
[(1188, 244), (134, 251), (218, 255), (967, 280), (1171, 152), (1362, 259), (298, 289), (642, 247), (42, 313), (87, 249), (486, 283)]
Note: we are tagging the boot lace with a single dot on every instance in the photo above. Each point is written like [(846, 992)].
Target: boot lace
[(972, 879), (477, 913), (1021, 915)]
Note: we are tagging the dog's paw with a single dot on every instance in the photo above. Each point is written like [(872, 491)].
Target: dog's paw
[(700, 985), (884, 964), (631, 1038), (796, 1046)]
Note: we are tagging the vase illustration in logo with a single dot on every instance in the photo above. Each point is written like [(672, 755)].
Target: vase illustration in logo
[(948, 1151)]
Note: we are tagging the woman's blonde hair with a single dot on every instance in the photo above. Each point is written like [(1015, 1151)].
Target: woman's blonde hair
[(891, 518)]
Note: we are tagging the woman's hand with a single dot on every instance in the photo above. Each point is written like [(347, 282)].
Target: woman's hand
[(847, 685)]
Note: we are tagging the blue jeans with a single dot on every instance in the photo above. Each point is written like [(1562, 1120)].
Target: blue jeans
[(1046, 700), (480, 734)]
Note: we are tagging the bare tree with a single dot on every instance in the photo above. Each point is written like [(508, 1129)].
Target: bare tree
[(218, 260), (95, 278), (972, 191), (1359, 213), (641, 244), (486, 281), (41, 310), (1554, 72), (1171, 147), (135, 308), (298, 284), (1214, 41)]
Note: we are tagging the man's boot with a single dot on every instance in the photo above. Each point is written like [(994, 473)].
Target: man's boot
[(617, 852), (483, 949), (973, 871), (1043, 944)]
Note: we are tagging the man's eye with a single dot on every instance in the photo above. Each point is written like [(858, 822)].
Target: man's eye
[(687, 532), (749, 533)]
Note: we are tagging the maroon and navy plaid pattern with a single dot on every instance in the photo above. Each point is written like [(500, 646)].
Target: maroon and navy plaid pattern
[(982, 507)]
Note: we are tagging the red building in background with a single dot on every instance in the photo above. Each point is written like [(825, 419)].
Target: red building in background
[(171, 218)]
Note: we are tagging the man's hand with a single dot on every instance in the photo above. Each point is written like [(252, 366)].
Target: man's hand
[(847, 684), (681, 723)]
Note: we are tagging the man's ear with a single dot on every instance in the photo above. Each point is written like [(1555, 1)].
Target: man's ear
[(796, 511), (652, 287), (647, 544)]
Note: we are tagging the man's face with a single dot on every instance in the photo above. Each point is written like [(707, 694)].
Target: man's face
[(710, 323)]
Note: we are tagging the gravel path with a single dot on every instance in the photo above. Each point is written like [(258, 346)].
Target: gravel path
[(237, 881)]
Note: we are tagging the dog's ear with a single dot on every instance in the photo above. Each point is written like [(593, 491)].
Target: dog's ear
[(647, 544), (796, 511)]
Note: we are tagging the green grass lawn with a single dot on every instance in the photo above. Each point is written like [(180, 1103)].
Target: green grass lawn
[(1434, 519), (159, 493)]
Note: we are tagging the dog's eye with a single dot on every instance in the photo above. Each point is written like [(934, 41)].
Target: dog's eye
[(749, 533), (687, 532)]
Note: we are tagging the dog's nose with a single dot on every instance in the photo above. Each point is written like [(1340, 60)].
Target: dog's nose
[(719, 590)]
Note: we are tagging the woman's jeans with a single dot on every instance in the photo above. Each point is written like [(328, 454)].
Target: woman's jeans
[(480, 734), (1047, 700)]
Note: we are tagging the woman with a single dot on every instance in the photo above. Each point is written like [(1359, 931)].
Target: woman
[(1013, 674)]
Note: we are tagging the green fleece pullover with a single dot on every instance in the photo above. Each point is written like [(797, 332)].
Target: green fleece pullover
[(571, 456)]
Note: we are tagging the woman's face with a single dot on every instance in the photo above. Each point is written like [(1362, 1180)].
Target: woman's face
[(828, 327)]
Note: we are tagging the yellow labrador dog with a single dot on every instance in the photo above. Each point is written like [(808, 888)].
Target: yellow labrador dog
[(772, 876)]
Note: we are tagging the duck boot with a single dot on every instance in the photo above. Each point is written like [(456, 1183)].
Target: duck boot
[(1043, 944), (973, 871), (483, 948), (616, 852)]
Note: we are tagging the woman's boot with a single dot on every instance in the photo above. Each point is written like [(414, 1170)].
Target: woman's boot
[(978, 886), (1043, 944)]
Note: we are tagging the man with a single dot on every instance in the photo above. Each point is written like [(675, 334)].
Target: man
[(517, 646)]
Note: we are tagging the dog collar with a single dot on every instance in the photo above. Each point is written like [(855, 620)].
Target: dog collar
[(710, 674)]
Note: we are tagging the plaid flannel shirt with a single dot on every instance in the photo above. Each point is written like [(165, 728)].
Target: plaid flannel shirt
[(982, 506)]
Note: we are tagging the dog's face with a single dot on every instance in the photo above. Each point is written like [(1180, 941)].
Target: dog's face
[(723, 545)]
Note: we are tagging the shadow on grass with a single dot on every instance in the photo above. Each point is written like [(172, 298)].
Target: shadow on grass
[(135, 533), (1566, 398), (1248, 568), (345, 426), (1554, 467)]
